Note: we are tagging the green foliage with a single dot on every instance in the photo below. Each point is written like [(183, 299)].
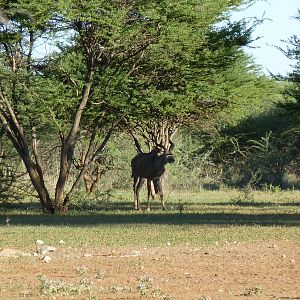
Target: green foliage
[(249, 94), (254, 141), (266, 145), (136, 60), (180, 73), (133, 40), (14, 185), (292, 88), (50, 287)]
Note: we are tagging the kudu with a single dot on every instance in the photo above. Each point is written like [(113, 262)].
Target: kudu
[(150, 166)]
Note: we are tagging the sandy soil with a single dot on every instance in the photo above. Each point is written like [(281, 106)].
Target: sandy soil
[(264, 270)]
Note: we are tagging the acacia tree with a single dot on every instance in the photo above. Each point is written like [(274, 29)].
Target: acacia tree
[(17, 38), (101, 45), (116, 59), (190, 74)]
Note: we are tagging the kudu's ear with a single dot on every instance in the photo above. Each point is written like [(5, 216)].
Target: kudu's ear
[(159, 148), (156, 149)]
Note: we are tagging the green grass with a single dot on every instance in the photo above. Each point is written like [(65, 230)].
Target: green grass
[(192, 218)]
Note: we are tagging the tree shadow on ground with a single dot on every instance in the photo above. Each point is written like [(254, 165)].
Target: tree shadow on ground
[(127, 206), (178, 214), (169, 218)]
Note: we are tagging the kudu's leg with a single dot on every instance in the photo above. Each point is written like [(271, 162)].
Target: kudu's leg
[(137, 193), (152, 190), (159, 191), (135, 183), (149, 190)]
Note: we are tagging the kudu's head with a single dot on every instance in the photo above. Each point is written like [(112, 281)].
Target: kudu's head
[(168, 157), (165, 153)]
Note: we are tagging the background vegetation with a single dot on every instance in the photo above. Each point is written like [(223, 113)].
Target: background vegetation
[(67, 116)]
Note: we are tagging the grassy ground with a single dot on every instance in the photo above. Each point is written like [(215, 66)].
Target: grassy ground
[(196, 218), (226, 244)]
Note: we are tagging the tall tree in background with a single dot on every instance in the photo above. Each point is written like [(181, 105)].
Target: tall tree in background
[(289, 134), (293, 53), (259, 144)]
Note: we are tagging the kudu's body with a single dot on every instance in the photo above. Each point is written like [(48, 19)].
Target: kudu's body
[(149, 166)]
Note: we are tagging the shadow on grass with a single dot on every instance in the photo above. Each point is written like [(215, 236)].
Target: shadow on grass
[(93, 219), (127, 206), (117, 213)]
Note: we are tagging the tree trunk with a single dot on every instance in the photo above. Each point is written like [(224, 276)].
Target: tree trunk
[(88, 162), (68, 145), (65, 166), (39, 184), (14, 132)]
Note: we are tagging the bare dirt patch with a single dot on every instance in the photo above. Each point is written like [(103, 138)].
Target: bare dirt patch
[(269, 270)]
